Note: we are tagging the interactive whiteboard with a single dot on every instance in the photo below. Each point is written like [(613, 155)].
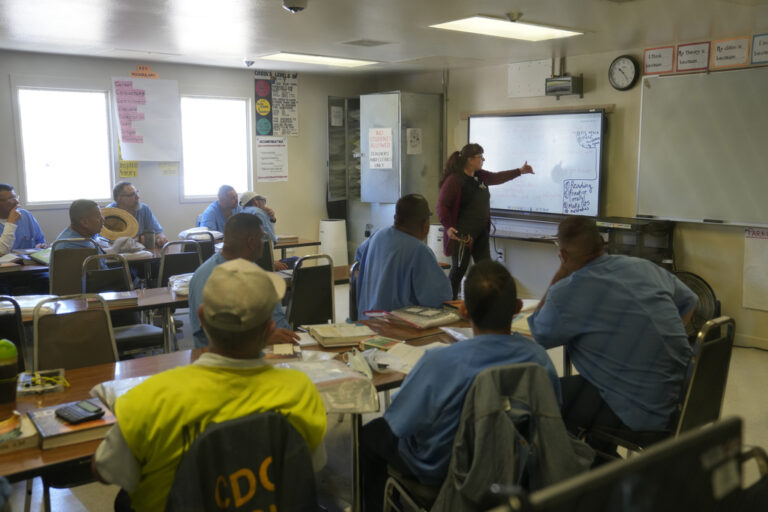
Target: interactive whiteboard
[(564, 149)]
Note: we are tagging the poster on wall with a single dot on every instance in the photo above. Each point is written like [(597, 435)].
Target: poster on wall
[(693, 56), (659, 60), (149, 115), (729, 53), (380, 148), (283, 101), (760, 49), (271, 159), (755, 280), (263, 95)]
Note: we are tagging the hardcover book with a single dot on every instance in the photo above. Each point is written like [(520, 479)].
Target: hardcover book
[(55, 432)]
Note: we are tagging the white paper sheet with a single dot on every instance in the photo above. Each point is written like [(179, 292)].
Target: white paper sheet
[(755, 277)]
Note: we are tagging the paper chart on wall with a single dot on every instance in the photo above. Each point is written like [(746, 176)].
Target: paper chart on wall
[(755, 278), (149, 115), (271, 159)]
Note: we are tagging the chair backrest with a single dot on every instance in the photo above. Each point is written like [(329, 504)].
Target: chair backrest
[(312, 300), (97, 277), (267, 259), (75, 339), (66, 264), (257, 462), (353, 291), (706, 387), (174, 263), (12, 328), (207, 246)]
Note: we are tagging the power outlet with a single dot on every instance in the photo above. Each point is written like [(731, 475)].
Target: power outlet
[(500, 253)]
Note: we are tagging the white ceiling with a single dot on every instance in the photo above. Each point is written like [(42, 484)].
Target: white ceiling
[(227, 32)]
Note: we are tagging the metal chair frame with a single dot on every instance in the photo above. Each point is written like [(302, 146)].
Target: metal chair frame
[(290, 312), (52, 265)]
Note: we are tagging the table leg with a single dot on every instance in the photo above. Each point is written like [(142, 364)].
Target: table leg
[(357, 482), (167, 330)]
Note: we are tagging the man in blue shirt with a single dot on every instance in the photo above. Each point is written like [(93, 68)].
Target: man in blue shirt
[(256, 204), (242, 239), (396, 268), (621, 320), (126, 197), (28, 234), (85, 222), (215, 216), (416, 433)]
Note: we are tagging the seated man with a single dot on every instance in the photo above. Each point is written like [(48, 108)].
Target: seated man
[(416, 433), (23, 230), (215, 216), (256, 204), (85, 222), (396, 268), (242, 239), (126, 197), (158, 419), (621, 320)]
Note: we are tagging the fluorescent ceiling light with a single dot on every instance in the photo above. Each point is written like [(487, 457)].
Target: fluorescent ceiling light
[(503, 28), (319, 59)]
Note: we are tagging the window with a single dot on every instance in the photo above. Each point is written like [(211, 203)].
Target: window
[(65, 144), (215, 136)]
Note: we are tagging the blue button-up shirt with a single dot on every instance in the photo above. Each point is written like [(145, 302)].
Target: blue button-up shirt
[(146, 219), (620, 320), (213, 218), (266, 224), (28, 232), (398, 270), (425, 413)]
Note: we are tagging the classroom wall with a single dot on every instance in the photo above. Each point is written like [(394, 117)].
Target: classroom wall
[(716, 253), (299, 202)]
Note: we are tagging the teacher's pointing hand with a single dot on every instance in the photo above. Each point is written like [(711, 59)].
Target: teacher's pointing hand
[(526, 169)]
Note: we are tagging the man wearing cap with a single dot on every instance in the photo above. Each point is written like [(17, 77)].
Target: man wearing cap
[(159, 419), (126, 197), (396, 268), (85, 222), (243, 238), (23, 230), (215, 216), (256, 204)]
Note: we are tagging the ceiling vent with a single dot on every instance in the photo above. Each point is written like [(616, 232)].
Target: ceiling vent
[(368, 43)]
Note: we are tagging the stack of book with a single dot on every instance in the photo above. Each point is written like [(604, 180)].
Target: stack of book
[(55, 432), (423, 317), (113, 299), (339, 335), (17, 433)]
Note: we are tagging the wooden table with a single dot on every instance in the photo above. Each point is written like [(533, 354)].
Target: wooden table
[(302, 242)]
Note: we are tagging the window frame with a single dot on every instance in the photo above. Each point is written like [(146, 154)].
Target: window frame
[(62, 84), (183, 199)]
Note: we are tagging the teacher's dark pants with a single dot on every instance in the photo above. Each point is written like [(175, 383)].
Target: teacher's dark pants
[(480, 250)]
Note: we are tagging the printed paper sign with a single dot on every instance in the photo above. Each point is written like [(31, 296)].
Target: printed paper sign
[(380, 148), (755, 279), (413, 139), (693, 56), (337, 116), (283, 93), (728, 53), (659, 60), (271, 159), (760, 49)]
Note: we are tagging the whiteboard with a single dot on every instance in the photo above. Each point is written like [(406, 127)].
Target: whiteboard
[(703, 152), (564, 150)]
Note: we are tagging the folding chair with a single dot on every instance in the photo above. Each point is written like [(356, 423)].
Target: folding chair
[(66, 264), (12, 328), (703, 390), (205, 240), (174, 263), (353, 313), (131, 334), (267, 259), (312, 300)]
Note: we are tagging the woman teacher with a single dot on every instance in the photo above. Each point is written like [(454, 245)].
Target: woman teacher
[(464, 208)]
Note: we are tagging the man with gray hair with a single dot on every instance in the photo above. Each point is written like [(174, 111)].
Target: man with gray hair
[(397, 269), (160, 418), (226, 205)]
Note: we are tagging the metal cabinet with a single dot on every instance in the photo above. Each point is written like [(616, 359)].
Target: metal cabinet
[(343, 148)]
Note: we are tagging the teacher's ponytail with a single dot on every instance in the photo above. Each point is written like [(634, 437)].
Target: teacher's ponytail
[(458, 159)]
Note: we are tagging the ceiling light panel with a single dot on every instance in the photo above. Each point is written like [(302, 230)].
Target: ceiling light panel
[(487, 26), (318, 59)]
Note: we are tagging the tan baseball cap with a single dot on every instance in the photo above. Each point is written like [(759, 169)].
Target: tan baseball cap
[(239, 296), (246, 197)]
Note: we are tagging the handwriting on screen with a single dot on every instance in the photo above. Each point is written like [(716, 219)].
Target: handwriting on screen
[(564, 150)]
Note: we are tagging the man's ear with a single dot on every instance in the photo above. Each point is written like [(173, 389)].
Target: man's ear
[(200, 315), (518, 306)]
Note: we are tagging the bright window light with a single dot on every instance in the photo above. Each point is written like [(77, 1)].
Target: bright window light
[(214, 135), (504, 28), (65, 145), (318, 59)]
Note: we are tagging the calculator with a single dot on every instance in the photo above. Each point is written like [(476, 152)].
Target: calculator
[(80, 412)]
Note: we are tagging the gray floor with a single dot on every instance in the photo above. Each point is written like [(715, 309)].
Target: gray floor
[(744, 397)]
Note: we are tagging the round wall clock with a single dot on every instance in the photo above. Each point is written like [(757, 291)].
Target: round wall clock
[(623, 72)]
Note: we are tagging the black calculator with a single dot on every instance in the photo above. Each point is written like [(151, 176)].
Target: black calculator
[(80, 412)]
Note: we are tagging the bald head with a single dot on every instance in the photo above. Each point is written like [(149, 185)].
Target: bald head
[(580, 239), (243, 236)]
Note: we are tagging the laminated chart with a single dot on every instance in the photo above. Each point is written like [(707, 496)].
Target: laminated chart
[(148, 112)]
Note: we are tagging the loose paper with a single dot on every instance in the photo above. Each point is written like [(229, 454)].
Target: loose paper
[(169, 168), (755, 277), (149, 114), (380, 148), (271, 159), (413, 138)]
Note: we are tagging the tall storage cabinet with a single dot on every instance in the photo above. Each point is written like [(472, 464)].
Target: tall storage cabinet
[(400, 145), (343, 148)]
